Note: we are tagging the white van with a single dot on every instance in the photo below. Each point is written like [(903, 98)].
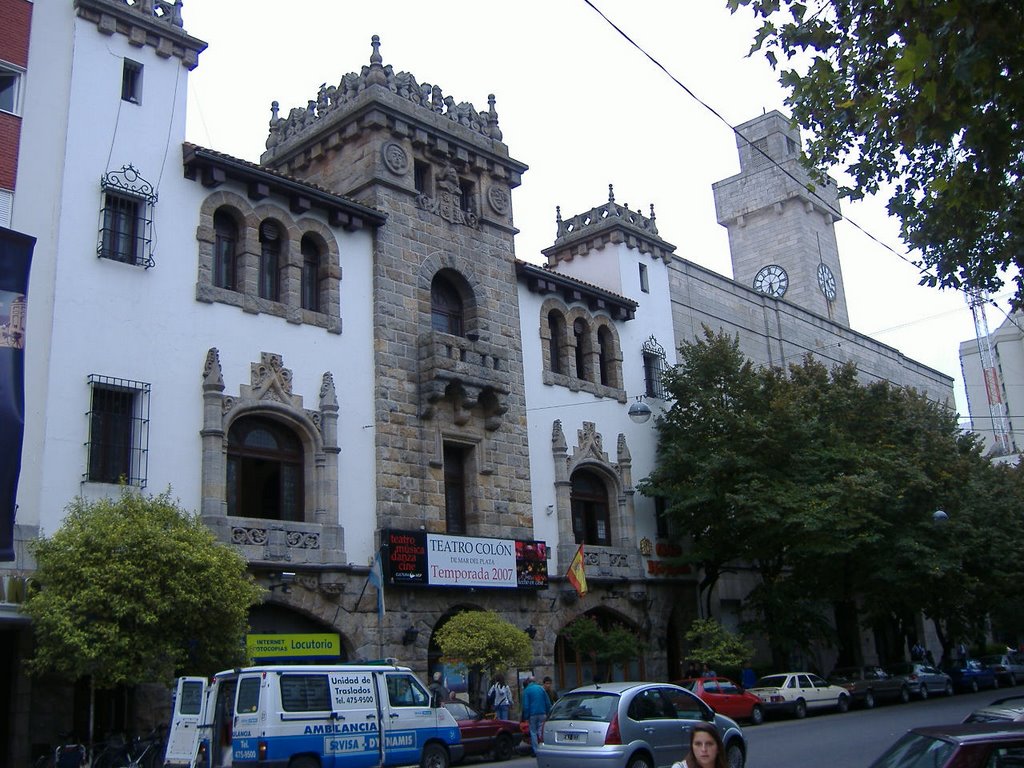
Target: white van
[(337, 716)]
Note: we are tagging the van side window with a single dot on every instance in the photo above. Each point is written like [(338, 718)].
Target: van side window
[(248, 695), (305, 693), (406, 691)]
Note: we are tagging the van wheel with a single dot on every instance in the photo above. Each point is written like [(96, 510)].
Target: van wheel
[(304, 762), (434, 756), (503, 747)]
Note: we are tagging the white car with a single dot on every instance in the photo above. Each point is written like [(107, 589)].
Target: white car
[(799, 692)]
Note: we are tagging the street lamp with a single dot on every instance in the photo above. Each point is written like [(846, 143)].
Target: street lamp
[(639, 412), (938, 516)]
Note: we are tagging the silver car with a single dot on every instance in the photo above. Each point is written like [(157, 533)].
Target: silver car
[(923, 680), (630, 725)]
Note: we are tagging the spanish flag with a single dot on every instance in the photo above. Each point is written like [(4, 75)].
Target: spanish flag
[(577, 575)]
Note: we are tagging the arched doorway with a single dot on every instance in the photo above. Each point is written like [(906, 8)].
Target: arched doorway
[(576, 666)]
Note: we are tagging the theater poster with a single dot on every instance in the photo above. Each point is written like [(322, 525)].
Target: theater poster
[(15, 257)]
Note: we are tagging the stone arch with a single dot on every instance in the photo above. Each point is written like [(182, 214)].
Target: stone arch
[(290, 613), (240, 211), (462, 274), (555, 309), (317, 537), (330, 277), (608, 351), (569, 660)]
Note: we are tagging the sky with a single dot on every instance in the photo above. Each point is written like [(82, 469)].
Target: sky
[(581, 107)]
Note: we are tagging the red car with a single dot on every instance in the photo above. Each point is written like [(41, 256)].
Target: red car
[(726, 698), (485, 735)]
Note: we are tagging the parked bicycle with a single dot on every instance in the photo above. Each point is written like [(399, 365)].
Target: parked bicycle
[(68, 754), (138, 752)]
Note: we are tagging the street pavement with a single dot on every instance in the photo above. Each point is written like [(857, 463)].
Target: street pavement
[(851, 740)]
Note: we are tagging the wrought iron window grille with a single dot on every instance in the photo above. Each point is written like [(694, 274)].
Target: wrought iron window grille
[(654, 368), (126, 220), (118, 446)]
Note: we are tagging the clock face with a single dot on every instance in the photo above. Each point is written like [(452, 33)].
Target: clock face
[(771, 280), (827, 282)]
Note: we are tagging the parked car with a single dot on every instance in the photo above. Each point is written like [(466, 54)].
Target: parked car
[(726, 697), (923, 680), (799, 692), (970, 675), (1009, 667), (869, 684), (484, 735), (945, 746), (630, 725), (1007, 709)]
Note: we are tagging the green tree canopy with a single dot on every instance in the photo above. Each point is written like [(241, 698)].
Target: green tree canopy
[(133, 590), (825, 487), (713, 644), (484, 640), (926, 97)]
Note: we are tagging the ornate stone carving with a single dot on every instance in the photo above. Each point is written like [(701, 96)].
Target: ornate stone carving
[(395, 158), (558, 437), (403, 84), (498, 198), (213, 378), (588, 441), (448, 203)]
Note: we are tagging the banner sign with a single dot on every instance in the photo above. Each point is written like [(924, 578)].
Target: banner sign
[(418, 558), (15, 257), (292, 646)]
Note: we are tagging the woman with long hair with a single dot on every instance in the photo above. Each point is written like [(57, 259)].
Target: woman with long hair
[(706, 749)]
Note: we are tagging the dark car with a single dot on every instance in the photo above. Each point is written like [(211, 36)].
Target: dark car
[(484, 735), (726, 697), (1009, 667), (968, 744), (924, 680), (1008, 709), (970, 675), (869, 684)]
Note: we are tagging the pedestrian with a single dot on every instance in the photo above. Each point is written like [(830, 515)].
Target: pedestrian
[(501, 695), (961, 651), (706, 748), (929, 657), (438, 690), (549, 689), (748, 678), (692, 670), (708, 671), (536, 706)]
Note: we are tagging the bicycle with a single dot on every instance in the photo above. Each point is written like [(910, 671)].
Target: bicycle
[(144, 752)]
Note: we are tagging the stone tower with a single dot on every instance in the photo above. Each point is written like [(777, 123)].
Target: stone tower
[(449, 395), (781, 233)]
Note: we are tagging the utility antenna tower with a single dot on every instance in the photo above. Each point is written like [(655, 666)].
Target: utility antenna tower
[(976, 300)]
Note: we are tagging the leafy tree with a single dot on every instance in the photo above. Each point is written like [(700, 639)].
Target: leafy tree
[(484, 641), (926, 97), (713, 644), (134, 590), (606, 646)]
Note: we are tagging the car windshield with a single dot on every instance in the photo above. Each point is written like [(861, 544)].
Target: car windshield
[(771, 681), (585, 706), (915, 751)]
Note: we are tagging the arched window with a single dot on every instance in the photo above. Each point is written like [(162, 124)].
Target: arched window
[(310, 293), (264, 470), (581, 333), (604, 355), (225, 249), (556, 331), (446, 311), (591, 522), (270, 261)]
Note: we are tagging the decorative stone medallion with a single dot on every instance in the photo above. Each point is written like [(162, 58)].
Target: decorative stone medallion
[(395, 158), (499, 199)]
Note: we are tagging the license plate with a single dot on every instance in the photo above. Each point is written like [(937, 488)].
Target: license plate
[(570, 736)]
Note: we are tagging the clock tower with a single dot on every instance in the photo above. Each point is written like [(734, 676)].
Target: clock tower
[(781, 225)]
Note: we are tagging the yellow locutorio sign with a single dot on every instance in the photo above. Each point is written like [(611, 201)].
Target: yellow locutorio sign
[(292, 646)]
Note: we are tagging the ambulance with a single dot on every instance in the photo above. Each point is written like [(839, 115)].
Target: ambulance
[(310, 716)]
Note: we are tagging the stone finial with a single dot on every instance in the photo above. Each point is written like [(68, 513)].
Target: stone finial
[(328, 397), (274, 109), (492, 118), (376, 76), (213, 378), (557, 436), (622, 450), (611, 194), (558, 214)]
